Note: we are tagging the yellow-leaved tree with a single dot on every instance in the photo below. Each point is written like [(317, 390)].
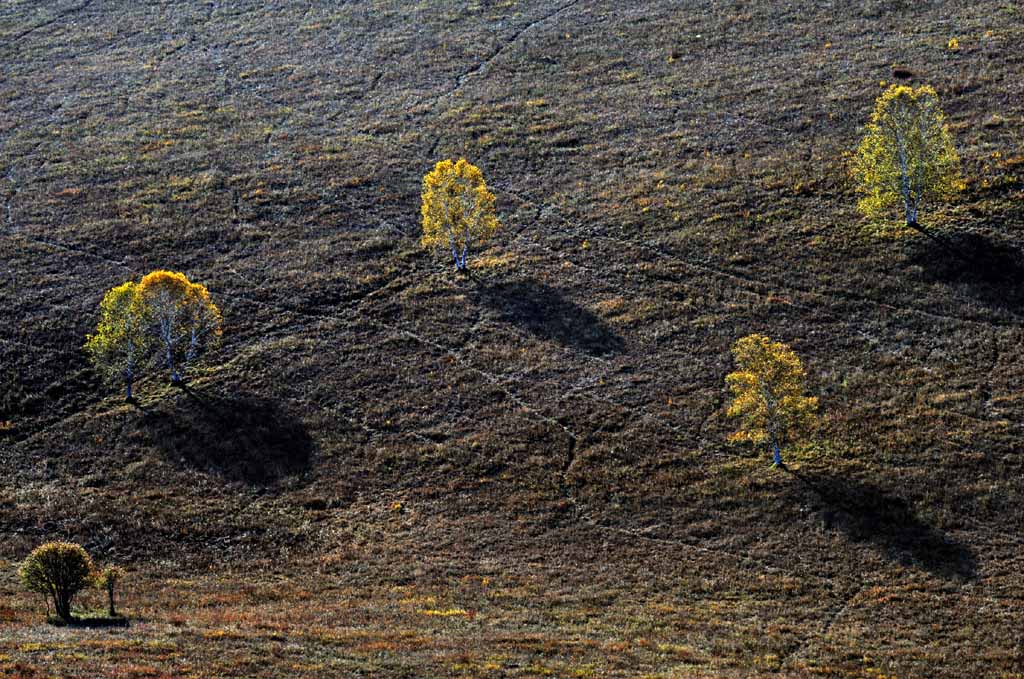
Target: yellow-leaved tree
[(108, 579), (184, 319), (122, 343), (768, 394), (907, 155), (458, 209)]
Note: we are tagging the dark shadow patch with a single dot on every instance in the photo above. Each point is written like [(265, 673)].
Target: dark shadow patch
[(243, 438), (90, 621), (866, 513), (903, 73), (543, 312), (987, 269)]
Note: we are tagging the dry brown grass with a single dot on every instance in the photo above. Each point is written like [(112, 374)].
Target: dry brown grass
[(377, 436)]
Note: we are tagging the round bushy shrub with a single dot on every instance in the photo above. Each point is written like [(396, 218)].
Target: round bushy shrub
[(59, 571)]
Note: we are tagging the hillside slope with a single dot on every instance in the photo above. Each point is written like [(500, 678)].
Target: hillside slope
[(377, 430)]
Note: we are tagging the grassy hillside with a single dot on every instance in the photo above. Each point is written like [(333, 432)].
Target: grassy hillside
[(391, 470)]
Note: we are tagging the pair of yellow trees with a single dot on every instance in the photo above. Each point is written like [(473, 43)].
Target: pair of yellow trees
[(164, 319), (458, 210), (906, 157)]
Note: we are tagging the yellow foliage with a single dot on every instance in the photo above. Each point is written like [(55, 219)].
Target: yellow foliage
[(109, 577), (768, 393), (108, 580), (164, 311), (907, 154), (183, 316), (122, 341), (505, 261), (445, 613), (458, 209)]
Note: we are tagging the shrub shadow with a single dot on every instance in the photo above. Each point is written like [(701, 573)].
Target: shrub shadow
[(990, 270), (543, 312), (867, 513), (90, 621), (243, 438)]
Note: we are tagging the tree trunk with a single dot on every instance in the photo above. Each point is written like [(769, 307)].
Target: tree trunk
[(460, 259), (110, 594), (128, 388), (175, 377), (455, 250), (62, 601)]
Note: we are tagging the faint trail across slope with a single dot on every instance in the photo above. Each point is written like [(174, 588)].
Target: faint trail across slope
[(49, 22), (350, 312), (753, 284), (485, 63)]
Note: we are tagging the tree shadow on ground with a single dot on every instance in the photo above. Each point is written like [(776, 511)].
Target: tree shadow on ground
[(866, 513), (90, 621), (989, 270), (243, 438), (543, 312)]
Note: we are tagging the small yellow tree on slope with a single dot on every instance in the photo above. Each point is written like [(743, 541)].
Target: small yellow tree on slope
[(183, 318), (122, 342), (58, 571), (907, 155), (458, 209), (768, 394), (108, 579)]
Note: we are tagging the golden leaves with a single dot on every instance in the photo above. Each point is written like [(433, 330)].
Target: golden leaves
[(164, 309), (767, 388), (121, 339), (55, 566), (907, 154), (457, 210)]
